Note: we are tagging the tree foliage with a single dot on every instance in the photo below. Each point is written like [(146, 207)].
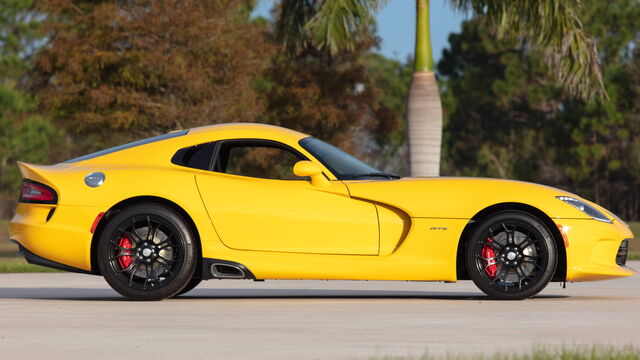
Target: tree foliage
[(19, 26), (507, 117), (333, 26), (135, 68), (332, 96), (24, 135), (553, 28)]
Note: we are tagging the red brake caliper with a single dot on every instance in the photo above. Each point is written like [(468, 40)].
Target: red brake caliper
[(125, 261), (488, 252)]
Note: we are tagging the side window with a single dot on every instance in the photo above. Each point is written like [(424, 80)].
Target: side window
[(197, 157), (257, 159)]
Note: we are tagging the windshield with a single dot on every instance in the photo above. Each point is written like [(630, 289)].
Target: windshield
[(341, 164)]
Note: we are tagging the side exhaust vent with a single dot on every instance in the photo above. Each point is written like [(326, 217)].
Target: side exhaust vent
[(226, 271)]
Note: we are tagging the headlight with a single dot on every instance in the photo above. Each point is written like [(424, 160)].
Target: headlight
[(585, 208)]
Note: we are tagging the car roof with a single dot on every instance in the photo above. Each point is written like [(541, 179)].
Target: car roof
[(247, 130), (172, 141)]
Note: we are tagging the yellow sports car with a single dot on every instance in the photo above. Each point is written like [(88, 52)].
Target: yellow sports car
[(251, 201)]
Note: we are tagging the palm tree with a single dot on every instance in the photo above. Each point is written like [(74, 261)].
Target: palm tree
[(552, 27)]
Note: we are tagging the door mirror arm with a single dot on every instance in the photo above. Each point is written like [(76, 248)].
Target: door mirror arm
[(314, 171)]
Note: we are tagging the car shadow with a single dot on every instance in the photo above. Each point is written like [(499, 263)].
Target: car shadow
[(83, 294)]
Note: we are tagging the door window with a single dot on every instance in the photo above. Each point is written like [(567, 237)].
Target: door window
[(257, 159)]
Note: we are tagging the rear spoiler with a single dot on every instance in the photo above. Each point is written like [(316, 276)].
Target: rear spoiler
[(41, 173)]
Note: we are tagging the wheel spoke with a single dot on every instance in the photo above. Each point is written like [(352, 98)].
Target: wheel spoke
[(165, 241), (119, 256), (135, 265), (150, 230), (486, 259), (509, 234), (537, 266), (495, 244), (146, 278), (526, 242), (519, 272), (498, 276), (120, 247)]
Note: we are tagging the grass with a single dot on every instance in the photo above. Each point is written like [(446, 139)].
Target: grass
[(7, 248), (580, 352), (19, 265)]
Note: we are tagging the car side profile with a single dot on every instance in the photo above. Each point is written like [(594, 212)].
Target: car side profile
[(250, 201)]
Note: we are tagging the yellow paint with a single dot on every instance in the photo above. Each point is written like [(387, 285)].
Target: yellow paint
[(288, 215), (406, 229)]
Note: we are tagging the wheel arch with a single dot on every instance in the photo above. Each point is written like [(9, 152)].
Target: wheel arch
[(95, 269), (561, 269)]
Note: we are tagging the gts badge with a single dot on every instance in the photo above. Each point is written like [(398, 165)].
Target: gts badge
[(438, 228)]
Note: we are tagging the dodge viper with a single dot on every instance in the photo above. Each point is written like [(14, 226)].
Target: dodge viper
[(157, 216)]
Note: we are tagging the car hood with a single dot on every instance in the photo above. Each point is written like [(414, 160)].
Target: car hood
[(459, 197)]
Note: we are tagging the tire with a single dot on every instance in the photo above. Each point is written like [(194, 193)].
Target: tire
[(511, 256), (195, 281), (147, 252)]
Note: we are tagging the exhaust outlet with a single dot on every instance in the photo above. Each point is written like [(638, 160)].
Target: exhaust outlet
[(224, 269), (227, 271)]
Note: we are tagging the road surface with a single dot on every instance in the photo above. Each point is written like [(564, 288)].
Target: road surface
[(71, 316)]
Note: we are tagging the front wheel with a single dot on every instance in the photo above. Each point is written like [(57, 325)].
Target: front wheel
[(511, 256), (147, 252)]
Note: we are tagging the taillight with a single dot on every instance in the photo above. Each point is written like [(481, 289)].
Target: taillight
[(37, 193)]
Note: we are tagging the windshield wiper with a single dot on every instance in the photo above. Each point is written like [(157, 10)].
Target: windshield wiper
[(375, 174)]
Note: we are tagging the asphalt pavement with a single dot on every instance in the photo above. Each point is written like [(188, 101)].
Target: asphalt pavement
[(71, 316)]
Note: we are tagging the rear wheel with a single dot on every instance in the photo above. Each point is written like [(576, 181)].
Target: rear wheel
[(511, 256), (147, 252), (195, 281)]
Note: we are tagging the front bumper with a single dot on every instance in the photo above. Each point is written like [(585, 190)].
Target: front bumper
[(596, 250)]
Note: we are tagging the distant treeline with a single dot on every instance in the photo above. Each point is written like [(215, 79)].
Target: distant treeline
[(76, 76)]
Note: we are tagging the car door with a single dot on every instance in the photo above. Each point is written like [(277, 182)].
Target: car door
[(256, 203)]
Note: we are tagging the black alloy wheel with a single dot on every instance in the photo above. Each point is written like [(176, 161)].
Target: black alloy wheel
[(147, 252), (511, 256), (195, 281)]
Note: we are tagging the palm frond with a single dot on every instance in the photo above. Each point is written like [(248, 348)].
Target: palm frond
[(292, 18), (553, 27), (332, 25)]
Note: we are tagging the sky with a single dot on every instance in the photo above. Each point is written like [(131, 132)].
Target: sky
[(396, 26)]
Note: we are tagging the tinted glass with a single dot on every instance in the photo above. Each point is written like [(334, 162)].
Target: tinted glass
[(197, 157), (129, 145), (341, 164), (257, 160)]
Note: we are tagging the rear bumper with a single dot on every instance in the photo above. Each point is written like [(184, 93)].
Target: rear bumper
[(38, 260), (596, 249), (62, 236)]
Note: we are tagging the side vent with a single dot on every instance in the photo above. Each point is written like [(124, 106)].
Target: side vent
[(224, 269)]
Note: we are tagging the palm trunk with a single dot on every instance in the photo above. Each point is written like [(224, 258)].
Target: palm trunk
[(424, 109)]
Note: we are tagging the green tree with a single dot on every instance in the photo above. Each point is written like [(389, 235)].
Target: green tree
[(334, 97), (552, 27), (112, 71), (507, 115), (19, 36), (24, 135)]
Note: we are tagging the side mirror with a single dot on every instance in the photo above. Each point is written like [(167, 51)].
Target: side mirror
[(312, 170)]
